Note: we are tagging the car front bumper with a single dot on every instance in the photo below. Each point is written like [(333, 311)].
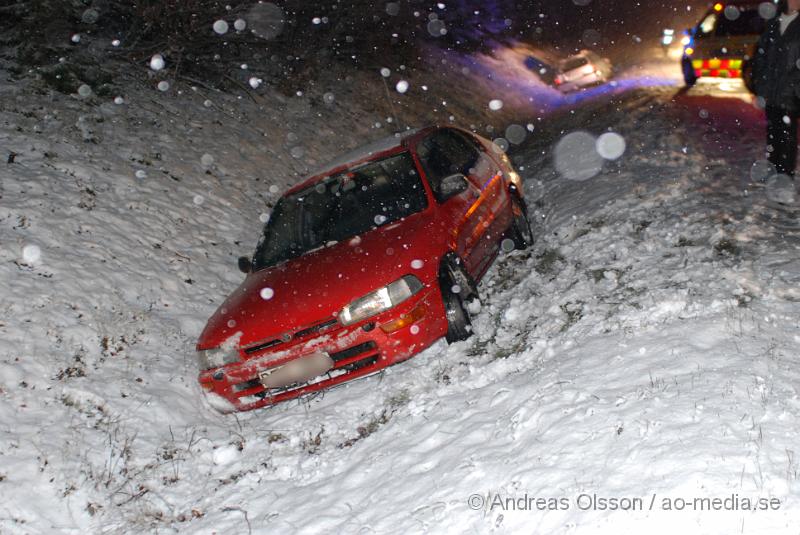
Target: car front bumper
[(356, 351)]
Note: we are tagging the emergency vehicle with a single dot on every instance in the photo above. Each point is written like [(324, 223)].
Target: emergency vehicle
[(724, 40)]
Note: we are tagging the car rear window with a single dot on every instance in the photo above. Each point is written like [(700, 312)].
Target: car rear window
[(340, 207), (573, 63), (747, 22)]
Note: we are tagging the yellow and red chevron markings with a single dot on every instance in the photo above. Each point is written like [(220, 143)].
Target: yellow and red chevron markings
[(718, 68)]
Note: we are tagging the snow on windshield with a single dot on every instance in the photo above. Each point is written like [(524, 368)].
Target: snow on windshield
[(342, 206)]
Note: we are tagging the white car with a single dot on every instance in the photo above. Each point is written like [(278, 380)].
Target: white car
[(583, 69)]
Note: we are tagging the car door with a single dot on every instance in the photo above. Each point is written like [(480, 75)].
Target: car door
[(446, 152), (494, 210)]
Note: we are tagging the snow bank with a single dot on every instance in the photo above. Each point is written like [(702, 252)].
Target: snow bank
[(646, 347)]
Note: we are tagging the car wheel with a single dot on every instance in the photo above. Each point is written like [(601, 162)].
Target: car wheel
[(456, 287), (689, 76), (521, 232)]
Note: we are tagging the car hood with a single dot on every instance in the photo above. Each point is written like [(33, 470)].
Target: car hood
[(312, 288)]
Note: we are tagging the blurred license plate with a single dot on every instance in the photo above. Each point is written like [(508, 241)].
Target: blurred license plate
[(299, 370)]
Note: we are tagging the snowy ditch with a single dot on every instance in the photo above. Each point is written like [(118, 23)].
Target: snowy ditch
[(642, 356)]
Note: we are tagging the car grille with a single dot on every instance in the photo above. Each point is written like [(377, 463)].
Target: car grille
[(265, 345), (358, 358), (314, 329), (348, 354)]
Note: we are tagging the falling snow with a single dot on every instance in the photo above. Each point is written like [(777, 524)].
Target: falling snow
[(576, 156), (267, 293), (157, 62), (220, 27), (645, 345), (610, 146), (207, 160), (31, 254), (515, 134)]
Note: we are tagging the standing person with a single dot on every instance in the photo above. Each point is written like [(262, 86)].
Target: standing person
[(776, 77)]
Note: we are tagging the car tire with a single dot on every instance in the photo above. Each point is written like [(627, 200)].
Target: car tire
[(689, 76), (521, 232), (459, 323)]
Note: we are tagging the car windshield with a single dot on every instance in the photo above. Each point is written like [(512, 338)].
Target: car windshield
[(341, 206)]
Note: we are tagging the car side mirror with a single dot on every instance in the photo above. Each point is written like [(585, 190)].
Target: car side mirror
[(245, 264), (452, 185)]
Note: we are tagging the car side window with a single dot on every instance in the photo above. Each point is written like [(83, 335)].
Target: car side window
[(445, 153)]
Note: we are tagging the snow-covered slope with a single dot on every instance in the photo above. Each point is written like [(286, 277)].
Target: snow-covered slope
[(646, 347)]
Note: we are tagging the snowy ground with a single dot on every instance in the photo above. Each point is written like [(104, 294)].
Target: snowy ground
[(646, 348)]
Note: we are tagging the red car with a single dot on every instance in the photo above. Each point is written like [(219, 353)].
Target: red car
[(364, 265)]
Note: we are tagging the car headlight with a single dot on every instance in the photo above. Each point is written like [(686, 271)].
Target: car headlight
[(380, 300), (219, 356)]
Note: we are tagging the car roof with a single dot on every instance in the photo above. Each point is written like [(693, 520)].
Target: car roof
[(750, 4), (580, 54), (385, 146)]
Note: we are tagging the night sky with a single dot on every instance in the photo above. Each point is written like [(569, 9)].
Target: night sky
[(616, 21)]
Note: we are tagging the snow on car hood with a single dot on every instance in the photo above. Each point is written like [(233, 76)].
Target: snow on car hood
[(312, 288)]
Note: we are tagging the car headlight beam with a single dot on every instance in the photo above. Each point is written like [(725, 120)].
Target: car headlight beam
[(380, 300)]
